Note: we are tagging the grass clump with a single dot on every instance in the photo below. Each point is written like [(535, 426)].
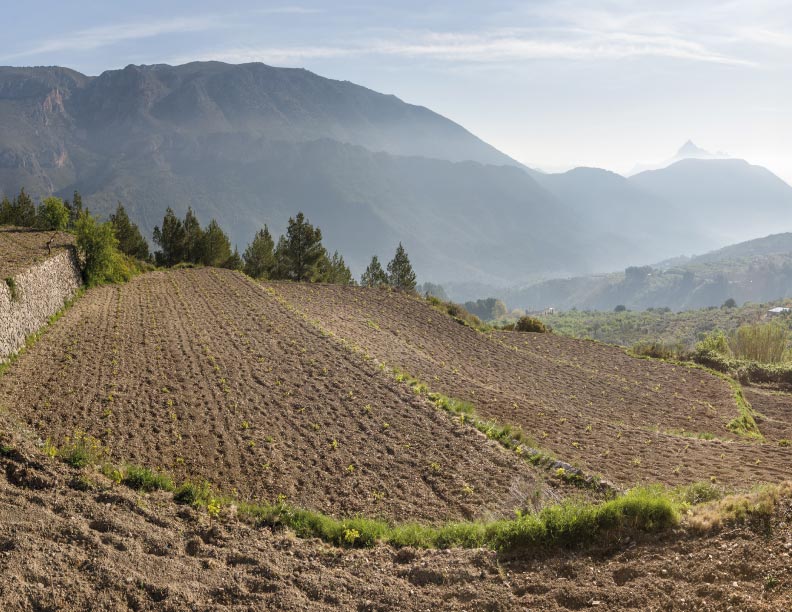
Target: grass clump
[(194, 493), (657, 349), (567, 524), (82, 450), (144, 479), (756, 506)]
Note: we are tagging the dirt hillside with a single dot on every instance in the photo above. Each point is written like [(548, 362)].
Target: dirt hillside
[(629, 419)]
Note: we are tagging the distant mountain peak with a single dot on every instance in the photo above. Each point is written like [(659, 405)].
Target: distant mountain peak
[(691, 150)]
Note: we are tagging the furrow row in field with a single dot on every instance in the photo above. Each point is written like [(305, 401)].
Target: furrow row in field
[(201, 373), (628, 419)]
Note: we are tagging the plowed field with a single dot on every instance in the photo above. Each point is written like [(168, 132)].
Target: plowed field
[(630, 420), (21, 248), (73, 541), (202, 373)]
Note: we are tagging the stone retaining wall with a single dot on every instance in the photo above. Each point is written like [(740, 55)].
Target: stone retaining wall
[(37, 294)]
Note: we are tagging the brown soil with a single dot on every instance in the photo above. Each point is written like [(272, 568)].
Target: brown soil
[(204, 374), (629, 419), (135, 365), (775, 413), (71, 540), (21, 248)]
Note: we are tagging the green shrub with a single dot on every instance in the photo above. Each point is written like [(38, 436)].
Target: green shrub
[(530, 324), (714, 342), (657, 349), (98, 246), (52, 215)]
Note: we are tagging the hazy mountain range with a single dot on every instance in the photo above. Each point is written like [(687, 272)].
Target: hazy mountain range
[(758, 270), (252, 144)]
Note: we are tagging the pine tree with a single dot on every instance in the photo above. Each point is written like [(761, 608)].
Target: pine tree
[(259, 256), (340, 273), (130, 241), (75, 208), (333, 270), (280, 269), (400, 273), (170, 240), (25, 210), (216, 248), (234, 262), (374, 276), (7, 213), (193, 238), (303, 249)]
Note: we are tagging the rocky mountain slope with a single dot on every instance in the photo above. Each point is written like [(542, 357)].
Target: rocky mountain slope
[(252, 144)]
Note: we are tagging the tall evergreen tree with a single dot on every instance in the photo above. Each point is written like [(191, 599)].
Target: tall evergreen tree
[(400, 273), (259, 257), (25, 210), (215, 246), (75, 208), (374, 276), (130, 241), (193, 238), (340, 273), (7, 213), (170, 239), (234, 262), (280, 269), (333, 270), (303, 249)]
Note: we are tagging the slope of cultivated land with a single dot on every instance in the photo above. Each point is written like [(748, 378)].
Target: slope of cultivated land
[(775, 413), (20, 248), (202, 373), (72, 540), (630, 420)]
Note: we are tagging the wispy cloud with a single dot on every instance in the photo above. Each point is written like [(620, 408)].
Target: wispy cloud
[(495, 46), (103, 36), (94, 38)]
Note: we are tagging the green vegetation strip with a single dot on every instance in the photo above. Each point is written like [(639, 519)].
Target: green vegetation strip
[(569, 523)]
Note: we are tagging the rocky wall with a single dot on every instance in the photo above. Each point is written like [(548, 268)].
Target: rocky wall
[(28, 299)]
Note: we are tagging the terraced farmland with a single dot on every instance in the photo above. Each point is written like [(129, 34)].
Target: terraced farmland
[(21, 248), (287, 392), (630, 420), (202, 373)]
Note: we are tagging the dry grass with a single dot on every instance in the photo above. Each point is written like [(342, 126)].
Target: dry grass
[(756, 505)]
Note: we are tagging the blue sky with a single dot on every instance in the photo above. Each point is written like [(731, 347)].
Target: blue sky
[(552, 83)]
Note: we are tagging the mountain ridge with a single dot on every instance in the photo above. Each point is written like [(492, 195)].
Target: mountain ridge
[(251, 144)]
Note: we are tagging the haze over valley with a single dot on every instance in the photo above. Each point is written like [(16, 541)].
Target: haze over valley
[(253, 143)]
